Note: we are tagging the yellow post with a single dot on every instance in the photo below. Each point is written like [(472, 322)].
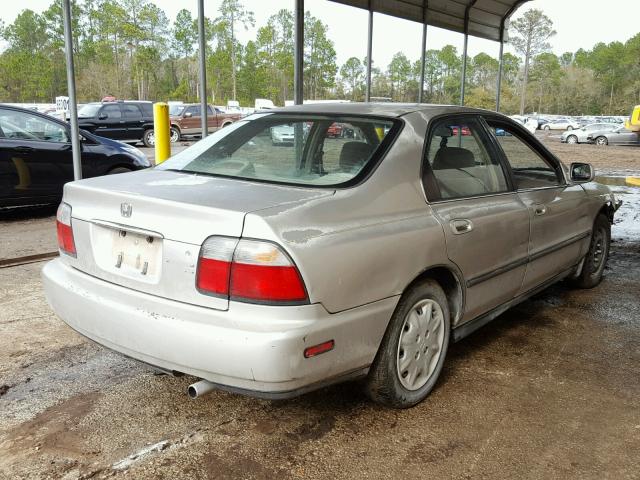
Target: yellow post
[(161, 127)]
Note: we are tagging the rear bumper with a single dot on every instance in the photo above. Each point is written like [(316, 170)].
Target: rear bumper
[(252, 349)]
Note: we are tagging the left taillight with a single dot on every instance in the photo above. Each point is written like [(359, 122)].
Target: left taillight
[(65, 232), (249, 271)]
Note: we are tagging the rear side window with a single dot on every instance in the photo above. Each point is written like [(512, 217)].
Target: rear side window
[(111, 111), (530, 169), (460, 161), (131, 111), (302, 149)]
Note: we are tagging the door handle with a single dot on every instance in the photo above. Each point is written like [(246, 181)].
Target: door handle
[(460, 226), (540, 210)]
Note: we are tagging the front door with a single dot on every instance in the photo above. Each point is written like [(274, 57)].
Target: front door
[(485, 223), (110, 123), (35, 157), (560, 224)]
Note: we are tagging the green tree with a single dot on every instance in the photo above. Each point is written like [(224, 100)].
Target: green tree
[(352, 72), (529, 36), (233, 15)]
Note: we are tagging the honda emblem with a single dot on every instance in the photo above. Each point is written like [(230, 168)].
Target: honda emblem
[(126, 209)]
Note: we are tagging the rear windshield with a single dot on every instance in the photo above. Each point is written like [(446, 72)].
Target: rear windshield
[(322, 150)]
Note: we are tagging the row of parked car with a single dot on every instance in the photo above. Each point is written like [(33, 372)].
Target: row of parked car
[(602, 134)]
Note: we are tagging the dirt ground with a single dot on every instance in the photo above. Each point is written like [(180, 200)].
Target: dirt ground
[(548, 390)]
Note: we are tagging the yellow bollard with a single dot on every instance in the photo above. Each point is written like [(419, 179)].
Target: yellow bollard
[(161, 128), (380, 133)]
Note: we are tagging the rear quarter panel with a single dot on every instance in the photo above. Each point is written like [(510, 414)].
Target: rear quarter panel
[(364, 243)]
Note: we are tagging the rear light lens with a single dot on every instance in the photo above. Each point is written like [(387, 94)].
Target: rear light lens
[(214, 266), (249, 271), (65, 232)]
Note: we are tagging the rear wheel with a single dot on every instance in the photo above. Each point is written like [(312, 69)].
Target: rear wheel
[(572, 139), (596, 258), (149, 138), (174, 135), (413, 349), (602, 141), (547, 128)]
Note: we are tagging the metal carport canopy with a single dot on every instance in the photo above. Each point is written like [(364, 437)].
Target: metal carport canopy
[(486, 18)]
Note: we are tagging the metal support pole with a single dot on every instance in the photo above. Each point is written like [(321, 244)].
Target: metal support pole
[(367, 96), (298, 52), (500, 66), (202, 43), (422, 62), (463, 81), (71, 90)]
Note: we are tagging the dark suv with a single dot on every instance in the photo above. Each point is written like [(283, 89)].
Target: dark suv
[(121, 120)]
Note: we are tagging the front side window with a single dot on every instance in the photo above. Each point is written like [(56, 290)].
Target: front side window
[(23, 126), (295, 149), (89, 110), (460, 162), (194, 110), (530, 169)]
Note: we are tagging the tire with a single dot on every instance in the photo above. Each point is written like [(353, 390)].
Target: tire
[(602, 141), (396, 385), (572, 139), (174, 135), (546, 127), (148, 138), (596, 258), (119, 170)]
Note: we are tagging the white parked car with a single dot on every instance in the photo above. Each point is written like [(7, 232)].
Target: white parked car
[(561, 124), (581, 135)]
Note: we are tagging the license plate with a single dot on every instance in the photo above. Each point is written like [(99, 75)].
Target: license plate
[(136, 254)]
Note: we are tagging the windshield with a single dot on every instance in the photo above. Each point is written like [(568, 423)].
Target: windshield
[(89, 110), (176, 109), (318, 150)]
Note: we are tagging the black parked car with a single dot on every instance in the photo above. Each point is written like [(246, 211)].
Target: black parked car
[(36, 159), (122, 120)]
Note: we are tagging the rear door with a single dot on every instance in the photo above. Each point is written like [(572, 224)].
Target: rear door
[(110, 122), (485, 223), (133, 120), (560, 225)]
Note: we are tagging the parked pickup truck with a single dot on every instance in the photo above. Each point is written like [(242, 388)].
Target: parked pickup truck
[(185, 120)]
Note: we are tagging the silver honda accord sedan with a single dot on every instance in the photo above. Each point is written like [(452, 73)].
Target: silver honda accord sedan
[(273, 270)]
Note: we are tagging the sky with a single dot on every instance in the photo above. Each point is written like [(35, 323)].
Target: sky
[(579, 24)]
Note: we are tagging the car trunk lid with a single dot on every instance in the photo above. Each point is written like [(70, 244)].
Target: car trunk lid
[(143, 230)]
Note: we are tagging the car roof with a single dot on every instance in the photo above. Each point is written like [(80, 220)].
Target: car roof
[(33, 112), (386, 109)]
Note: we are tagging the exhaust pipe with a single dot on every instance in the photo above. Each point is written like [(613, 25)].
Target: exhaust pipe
[(200, 388)]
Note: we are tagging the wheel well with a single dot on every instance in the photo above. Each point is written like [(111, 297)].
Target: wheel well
[(450, 283), (173, 125), (607, 210)]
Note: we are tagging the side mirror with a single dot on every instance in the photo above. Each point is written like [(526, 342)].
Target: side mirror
[(582, 172), (102, 116), (188, 115)]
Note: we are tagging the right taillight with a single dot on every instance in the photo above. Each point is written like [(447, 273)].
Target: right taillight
[(249, 271), (65, 232)]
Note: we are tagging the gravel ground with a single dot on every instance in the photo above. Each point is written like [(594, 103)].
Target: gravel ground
[(548, 390)]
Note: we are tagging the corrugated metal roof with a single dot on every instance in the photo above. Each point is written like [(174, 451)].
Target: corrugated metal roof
[(486, 17)]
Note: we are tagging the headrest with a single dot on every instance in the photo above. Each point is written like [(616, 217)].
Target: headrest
[(453, 157), (443, 131), (354, 154)]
